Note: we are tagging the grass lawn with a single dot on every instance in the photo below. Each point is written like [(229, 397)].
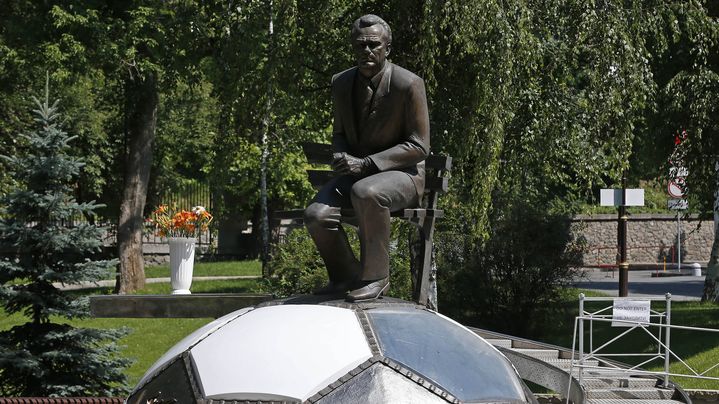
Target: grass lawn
[(150, 338), (699, 349), (147, 341), (222, 268)]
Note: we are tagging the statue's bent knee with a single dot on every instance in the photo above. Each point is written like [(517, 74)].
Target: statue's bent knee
[(319, 215), (365, 191)]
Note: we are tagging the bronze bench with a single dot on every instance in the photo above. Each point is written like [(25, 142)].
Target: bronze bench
[(437, 168)]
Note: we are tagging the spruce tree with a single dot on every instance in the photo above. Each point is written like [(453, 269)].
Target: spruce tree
[(41, 246)]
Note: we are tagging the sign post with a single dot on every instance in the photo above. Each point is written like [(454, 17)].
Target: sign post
[(622, 241), (622, 198), (679, 241), (676, 188)]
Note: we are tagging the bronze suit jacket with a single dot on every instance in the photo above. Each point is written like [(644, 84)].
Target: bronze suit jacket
[(396, 132)]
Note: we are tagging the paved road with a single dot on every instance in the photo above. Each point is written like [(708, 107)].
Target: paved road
[(642, 284)]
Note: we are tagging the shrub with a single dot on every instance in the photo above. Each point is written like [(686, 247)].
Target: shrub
[(297, 268), (512, 281)]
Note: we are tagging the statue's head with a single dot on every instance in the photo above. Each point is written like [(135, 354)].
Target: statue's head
[(371, 41)]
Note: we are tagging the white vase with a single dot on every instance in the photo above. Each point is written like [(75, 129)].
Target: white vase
[(182, 260)]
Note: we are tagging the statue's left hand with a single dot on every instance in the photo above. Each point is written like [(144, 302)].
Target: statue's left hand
[(344, 163)]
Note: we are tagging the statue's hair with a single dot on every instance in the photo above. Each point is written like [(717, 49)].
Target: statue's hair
[(370, 20)]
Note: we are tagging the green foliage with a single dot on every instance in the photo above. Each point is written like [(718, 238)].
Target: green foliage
[(684, 49), (399, 264), (186, 135), (552, 99), (41, 245), (297, 267), (513, 281)]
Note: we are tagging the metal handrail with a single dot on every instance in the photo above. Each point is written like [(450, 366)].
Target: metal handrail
[(664, 350)]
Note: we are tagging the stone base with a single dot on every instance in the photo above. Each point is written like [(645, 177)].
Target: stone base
[(198, 305)]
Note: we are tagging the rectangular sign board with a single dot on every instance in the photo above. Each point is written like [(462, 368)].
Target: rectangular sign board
[(613, 197), (678, 204), (630, 310)]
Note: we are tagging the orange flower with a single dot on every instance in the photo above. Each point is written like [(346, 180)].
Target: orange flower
[(171, 222)]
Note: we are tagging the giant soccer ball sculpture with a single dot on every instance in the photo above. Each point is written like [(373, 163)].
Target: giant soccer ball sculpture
[(388, 351)]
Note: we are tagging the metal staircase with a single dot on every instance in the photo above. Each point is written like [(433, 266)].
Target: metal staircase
[(549, 366)]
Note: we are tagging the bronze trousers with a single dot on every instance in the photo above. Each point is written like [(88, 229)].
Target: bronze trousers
[(372, 199)]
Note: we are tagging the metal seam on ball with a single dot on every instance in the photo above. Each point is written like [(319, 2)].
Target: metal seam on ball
[(368, 332), (420, 380), (344, 379), (191, 374)]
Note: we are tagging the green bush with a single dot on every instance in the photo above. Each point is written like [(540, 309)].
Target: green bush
[(511, 282), (297, 267)]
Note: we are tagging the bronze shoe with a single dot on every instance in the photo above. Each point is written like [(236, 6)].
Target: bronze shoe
[(334, 288), (371, 290)]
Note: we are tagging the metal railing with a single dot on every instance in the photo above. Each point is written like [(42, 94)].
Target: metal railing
[(661, 337), (185, 196)]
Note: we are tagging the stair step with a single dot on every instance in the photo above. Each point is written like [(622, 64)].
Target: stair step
[(500, 342), (567, 363), (630, 401), (544, 354), (633, 394), (600, 383)]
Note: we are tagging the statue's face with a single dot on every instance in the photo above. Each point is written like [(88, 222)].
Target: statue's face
[(371, 49)]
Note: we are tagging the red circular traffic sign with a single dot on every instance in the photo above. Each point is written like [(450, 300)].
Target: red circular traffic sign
[(675, 190)]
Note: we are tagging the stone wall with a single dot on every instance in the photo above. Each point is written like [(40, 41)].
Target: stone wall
[(652, 238)]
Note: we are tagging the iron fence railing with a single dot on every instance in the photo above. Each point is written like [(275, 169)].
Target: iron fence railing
[(184, 196), (659, 333)]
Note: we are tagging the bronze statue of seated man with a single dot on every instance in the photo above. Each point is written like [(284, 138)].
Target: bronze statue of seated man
[(380, 141)]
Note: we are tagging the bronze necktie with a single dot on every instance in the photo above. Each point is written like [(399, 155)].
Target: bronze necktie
[(366, 104)]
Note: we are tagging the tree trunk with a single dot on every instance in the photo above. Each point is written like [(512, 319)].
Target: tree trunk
[(711, 283), (264, 142), (142, 102)]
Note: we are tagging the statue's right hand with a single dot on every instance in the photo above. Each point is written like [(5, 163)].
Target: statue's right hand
[(333, 219)]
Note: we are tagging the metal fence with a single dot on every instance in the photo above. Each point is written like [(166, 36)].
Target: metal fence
[(659, 331), (185, 196)]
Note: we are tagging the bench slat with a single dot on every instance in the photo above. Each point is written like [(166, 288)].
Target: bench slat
[(289, 214), (318, 178), (417, 213), (321, 153), (318, 153), (438, 184), (439, 162), (422, 213)]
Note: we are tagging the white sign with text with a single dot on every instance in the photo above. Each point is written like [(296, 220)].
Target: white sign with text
[(613, 197), (630, 310)]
